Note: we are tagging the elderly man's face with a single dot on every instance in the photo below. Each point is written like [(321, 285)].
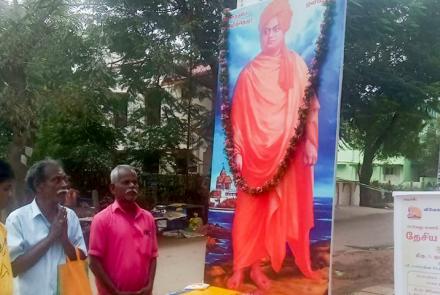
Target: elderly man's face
[(126, 186), (56, 184), (272, 36)]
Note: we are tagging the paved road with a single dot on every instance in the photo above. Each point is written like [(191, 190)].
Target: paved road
[(372, 230), (181, 262), (363, 229)]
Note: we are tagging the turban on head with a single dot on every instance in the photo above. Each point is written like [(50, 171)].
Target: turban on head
[(279, 9)]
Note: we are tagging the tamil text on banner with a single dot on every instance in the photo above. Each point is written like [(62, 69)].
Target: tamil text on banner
[(417, 243), (276, 119)]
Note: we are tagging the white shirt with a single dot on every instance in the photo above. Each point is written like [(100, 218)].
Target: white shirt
[(26, 227)]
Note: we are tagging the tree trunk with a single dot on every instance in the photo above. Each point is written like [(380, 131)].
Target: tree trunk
[(188, 139), (371, 148), (15, 150), (23, 126), (365, 176)]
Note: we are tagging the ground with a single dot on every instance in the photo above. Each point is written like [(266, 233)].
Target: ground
[(356, 270), (362, 250), (181, 262)]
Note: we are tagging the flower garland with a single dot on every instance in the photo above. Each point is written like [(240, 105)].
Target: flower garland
[(320, 54)]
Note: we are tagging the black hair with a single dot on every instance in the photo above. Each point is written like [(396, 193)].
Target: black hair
[(6, 172), (37, 173)]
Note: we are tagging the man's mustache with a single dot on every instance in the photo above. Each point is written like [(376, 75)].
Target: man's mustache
[(62, 191), (131, 191)]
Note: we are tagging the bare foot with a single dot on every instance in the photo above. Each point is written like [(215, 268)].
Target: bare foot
[(259, 278), (235, 281)]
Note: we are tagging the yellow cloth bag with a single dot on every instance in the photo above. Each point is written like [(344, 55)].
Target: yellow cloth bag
[(73, 277), (5, 264)]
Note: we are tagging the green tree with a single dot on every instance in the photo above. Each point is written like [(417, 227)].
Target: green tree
[(159, 40), (391, 77), (427, 159), (154, 131), (44, 50), (74, 130)]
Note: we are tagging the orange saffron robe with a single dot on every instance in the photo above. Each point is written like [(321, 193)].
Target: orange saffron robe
[(264, 118)]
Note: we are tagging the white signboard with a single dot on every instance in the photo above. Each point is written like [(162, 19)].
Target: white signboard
[(417, 243), (243, 3)]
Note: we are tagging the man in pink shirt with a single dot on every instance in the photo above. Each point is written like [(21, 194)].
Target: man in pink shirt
[(123, 244)]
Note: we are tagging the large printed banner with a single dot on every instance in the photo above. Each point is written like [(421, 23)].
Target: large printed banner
[(417, 243), (271, 231)]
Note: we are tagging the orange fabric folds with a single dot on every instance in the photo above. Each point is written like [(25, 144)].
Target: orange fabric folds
[(264, 119), (73, 277)]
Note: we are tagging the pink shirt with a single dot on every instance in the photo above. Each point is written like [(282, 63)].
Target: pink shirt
[(125, 245)]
